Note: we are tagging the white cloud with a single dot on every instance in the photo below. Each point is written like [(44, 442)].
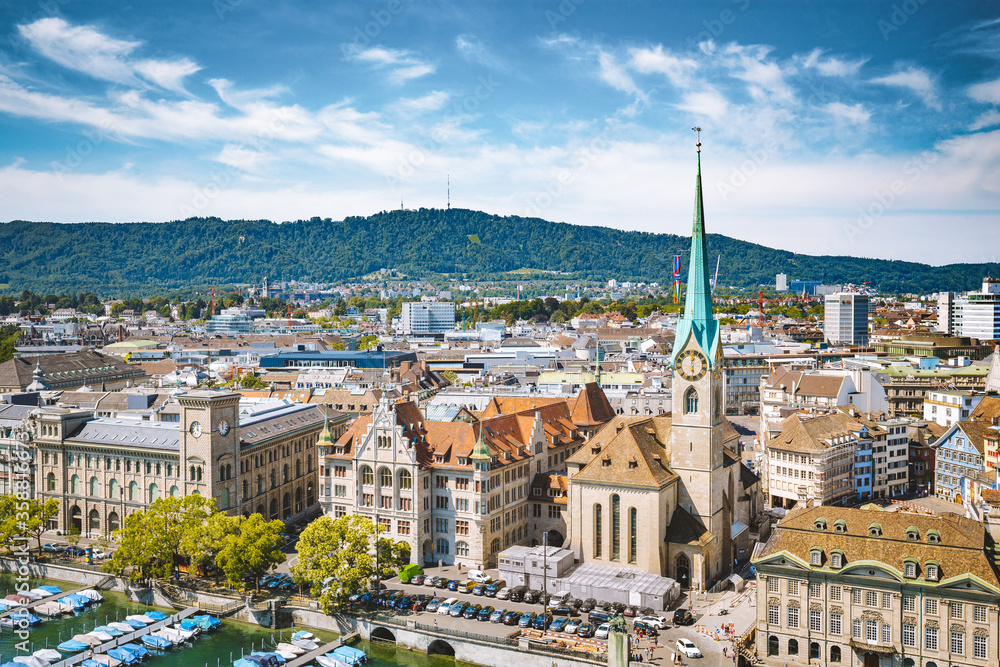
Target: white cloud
[(986, 119), (401, 65), (855, 113), (87, 50), (988, 91), (615, 75), (709, 102), (765, 77), (916, 80), (832, 66), (432, 101), (656, 60), (473, 50), (240, 157)]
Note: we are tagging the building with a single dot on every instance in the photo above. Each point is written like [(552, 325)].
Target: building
[(846, 319), (948, 406), (65, 372), (861, 587), (807, 287), (257, 459), (305, 360), (976, 315), (231, 322), (427, 317), (659, 493), (967, 460), (907, 387), (781, 282), (933, 345)]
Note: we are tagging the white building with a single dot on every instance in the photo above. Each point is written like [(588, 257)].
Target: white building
[(427, 317), (781, 282), (949, 406), (846, 319), (976, 315)]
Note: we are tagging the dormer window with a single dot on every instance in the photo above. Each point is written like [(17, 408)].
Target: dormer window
[(537, 492), (910, 570), (606, 463), (633, 464), (836, 560), (820, 524), (595, 450), (912, 534), (933, 537), (840, 526), (816, 557), (931, 571), (874, 530)]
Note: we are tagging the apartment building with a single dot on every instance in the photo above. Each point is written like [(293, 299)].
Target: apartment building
[(861, 587), (948, 406), (846, 319), (812, 459), (427, 317)]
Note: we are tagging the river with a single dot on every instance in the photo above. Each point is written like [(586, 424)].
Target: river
[(216, 649)]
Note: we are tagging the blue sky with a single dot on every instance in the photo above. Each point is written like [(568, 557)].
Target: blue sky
[(861, 128)]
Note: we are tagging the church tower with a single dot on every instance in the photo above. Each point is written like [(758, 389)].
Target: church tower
[(696, 431)]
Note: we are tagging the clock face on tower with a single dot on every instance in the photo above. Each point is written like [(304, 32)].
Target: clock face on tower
[(223, 427), (692, 366), (196, 429)]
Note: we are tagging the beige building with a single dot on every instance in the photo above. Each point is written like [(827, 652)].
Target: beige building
[(877, 589), (257, 459)]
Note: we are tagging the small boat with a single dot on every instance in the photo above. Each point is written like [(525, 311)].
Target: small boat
[(206, 622), (90, 662), (53, 609), (72, 646), (136, 625), (6, 605), (291, 648), (88, 639), (243, 662), (107, 660), (155, 641), (138, 618), (100, 634), (41, 593), (266, 660), (48, 655), (156, 615), (173, 636), (307, 644), (114, 632), (90, 594), (287, 655), (75, 601), (20, 619), (125, 628), (347, 656), (303, 634), (121, 655), (138, 651), (277, 657), (19, 598), (35, 597), (32, 661), (54, 590), (184, 633), (188, 624)]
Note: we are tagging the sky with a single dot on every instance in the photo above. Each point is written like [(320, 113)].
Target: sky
[(869, 128)]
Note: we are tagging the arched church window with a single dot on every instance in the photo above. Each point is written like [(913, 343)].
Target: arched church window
[(691, 401)]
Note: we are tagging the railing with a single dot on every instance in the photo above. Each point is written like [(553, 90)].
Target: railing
[(462, 634), (597, 658)]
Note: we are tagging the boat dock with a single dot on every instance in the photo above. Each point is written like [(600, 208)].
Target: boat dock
[(51, 598), (126, 638), (303, 660)]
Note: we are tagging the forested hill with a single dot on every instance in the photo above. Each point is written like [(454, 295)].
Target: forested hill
[(143, 258)]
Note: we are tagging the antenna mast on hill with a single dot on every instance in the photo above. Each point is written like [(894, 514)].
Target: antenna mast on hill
[(449, 192)]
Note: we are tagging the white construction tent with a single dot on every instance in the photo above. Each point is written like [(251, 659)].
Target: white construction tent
[(611, 584)]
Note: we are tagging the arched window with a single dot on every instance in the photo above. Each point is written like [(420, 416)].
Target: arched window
[(633, 529), (260, 484), (772, 645), (154, 492), (793, 647), (690, 401), (834, 654), (284, 473), (461, 548), (175, 492), (274, 509), (298, 467), (274, 478), (199, 471), (367, 476), (113, 489), (229, 471), (51, 481), (814, 651), (94, 521), (222, 473), (616, 528), (385, 478), (74, 485), (405, 479), (286, 506), (442, 546), (224, 500), (133, 491), (246, 490), (310, 498), (193, 475), (598, 536), (495, 545), (114, 523), (298, 500)]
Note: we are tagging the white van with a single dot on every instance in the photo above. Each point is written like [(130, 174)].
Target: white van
[(559, 598), (480, 577), (445, 606)]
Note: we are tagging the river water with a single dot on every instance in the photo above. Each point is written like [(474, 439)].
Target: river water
[(216, 649)]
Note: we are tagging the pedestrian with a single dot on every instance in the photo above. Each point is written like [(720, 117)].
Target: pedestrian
[(435, 622)]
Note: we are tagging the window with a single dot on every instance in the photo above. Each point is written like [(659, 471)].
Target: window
[(958, 642), (367, 476), (461, 527), (442, 546), (385, 478), (816, 557), (856, 596), (341, 471), (886, 600), (957, 610), (793, 617), (403, 527), (836, 560), (932, 572), (836, 626), (773, 615), (979, 646), (856, 628), (871, 599), (834, 654), (930, 606), (441, 526), (793, 586), (441, 502), (909, 603), (910, 570), (461, 548), (835, 593), (615, 527), (772, 585), (886, 634), (691, 401), (555, 512), (816, 620), (979, 613), (930, 639), (871, 631), (405, 479), (368, 499), (462, 483), (909, 635), (815, 590), (793, 647), (598, 537), (51, 481)]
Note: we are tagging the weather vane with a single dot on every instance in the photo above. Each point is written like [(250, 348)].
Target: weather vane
[(698, 130)]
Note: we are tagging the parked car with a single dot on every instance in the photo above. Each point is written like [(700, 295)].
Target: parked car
[(649, 630), (683, 617), (467, 587), (588, 605), (484, 614), (432, 605), (517, 593), (585, 630), (603, 630), (419, 603), (454, 584), (403, 603), (572, 626), (657, 622), (561, 611), (479, 577), (511, 617), (472, 611), (495, 587), (480, 590), (458, 608), (432, 581), (542, 622), (527, 618), (442, 582), (502, 594), (630, 611), (531, 596), (445, 607), (497, 615), (558, 625), (75, 551), (417, 580), (53, 548), (688, 648)]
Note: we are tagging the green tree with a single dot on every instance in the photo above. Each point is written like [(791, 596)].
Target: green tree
[(202, 542), (367, 342), (39, 515), (253, 550)]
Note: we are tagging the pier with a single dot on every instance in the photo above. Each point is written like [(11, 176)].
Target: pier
[(305, 659), (126, 638), (51, 598)]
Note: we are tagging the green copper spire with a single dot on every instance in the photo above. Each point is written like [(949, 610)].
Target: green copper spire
[(480, 452), (698, 321)]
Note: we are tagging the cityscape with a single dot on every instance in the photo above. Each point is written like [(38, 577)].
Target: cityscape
[(369, 334)]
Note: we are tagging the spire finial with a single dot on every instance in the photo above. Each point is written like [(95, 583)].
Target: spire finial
[(697, 130)]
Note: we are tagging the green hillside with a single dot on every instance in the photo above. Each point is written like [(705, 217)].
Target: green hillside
[(140, 258)]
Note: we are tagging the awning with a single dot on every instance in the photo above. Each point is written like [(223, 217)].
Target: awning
[(738, 528)]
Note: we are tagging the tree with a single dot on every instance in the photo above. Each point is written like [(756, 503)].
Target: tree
[(253, 550), (201, 543), (39, 515), (367, 342)]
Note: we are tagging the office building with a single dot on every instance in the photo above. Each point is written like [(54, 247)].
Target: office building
[(846, 320), (781, 282), (976, 314), (427, 317)]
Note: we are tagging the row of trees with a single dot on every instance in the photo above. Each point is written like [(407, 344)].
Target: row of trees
[(12, 526)]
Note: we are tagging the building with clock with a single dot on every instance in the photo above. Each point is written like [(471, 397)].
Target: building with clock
[(250, 458), (668, 494)]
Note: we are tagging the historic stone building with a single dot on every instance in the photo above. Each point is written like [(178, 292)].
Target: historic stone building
[(659, 493), (257, 459), (878, 589)]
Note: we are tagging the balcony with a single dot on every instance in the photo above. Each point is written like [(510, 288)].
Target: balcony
[(874, 647)]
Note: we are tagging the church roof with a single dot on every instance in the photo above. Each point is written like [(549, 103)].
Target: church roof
[(686, 529), (628, 450), (592, 406)]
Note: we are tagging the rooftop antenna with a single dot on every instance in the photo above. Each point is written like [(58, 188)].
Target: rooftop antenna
[(698, 130), (449, 192)]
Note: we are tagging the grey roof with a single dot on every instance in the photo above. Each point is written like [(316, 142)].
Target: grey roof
[(443, 413), (272, 422), (11, 415), (602, 576), (129, 433)]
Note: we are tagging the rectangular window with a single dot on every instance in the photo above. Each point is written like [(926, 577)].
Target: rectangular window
[(340, 491), (441, 502), (441, 481), (871, 599), (441, 525), (339, 471), (403, 527), (886, 634), (385, 524), (772, 585), (856, 628), (339, 511), (815, 590), (886, 600), (979, 647), (793, 586), (835, 593), (816, 621), (555, 512), (835, 624), (462, 527), (957, 610), (979, 613), (773, 615), (793, 617), (385, 502), (871, 631), (856, 596), (368, 499), (909, 635), (909, 603), (958, 643), (930, 639), (930, 606), (462, 483)]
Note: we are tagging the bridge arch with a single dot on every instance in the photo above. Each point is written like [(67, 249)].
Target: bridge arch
[(381, 634), (440, 647)]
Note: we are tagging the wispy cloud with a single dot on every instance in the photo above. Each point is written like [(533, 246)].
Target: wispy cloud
[(988, 91), (402, 66), (855, 114), (432, 101), (766, 78), (986, 119), (85, 49), (709, 102), (475, 51), (832, 66), (916, 80), (656, 60)]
